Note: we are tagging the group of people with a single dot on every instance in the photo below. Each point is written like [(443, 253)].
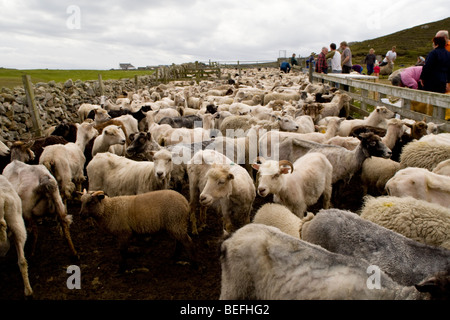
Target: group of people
[(433, 74)]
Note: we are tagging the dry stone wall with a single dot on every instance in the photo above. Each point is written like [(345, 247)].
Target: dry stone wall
[(56, 102)]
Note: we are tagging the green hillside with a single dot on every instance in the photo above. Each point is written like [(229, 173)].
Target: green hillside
[(411, 43)]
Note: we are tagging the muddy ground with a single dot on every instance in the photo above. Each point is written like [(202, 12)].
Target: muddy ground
[(152, 275)]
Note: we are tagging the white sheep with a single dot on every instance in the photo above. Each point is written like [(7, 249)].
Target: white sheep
[(39, 192), (145, 213), (415, 219), (405, 260), (309, 179), (260, 262), (424, 154), (377, 118), (420, 184), (111, 135), (116, 175), (279, 216), (237, 190), (11, 221), (66, 162)]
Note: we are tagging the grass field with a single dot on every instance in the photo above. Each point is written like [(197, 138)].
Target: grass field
[(11, 78)]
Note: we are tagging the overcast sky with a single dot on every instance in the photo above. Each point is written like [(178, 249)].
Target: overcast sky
[(101, 34)]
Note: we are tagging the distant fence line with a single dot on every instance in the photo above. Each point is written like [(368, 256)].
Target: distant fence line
[(373, 94)]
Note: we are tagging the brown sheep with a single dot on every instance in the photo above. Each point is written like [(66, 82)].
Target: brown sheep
[(145, 213)]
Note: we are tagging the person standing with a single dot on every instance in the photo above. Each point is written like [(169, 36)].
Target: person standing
[(335, 57), (321, 64), (390, 57), (436, 71), (346, 60), (294, 61), (370, 61)]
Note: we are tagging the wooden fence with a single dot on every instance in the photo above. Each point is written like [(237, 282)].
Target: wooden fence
[(367, 94)]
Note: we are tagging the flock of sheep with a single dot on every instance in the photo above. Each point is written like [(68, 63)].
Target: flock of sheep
[(161, 157)]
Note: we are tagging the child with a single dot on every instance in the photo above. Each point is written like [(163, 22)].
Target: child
[(376, 69)]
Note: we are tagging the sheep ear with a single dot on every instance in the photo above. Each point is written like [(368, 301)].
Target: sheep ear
[(230, 176), (284, 170), (255, 166), (131, 136), (427, 285)]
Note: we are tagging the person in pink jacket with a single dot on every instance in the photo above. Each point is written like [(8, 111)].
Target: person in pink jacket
[(408, 77)]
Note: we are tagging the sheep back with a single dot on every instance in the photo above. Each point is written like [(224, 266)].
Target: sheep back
[(423, 154), (415, 219)]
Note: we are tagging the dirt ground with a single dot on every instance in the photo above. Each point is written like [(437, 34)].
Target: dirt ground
[(152, 275)]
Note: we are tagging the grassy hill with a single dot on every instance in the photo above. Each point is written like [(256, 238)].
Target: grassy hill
[(411, 43)]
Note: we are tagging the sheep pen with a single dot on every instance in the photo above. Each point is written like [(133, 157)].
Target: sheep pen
[(151, 276)]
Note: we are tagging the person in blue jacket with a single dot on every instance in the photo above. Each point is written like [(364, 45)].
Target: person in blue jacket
[(436, 71), (285, 67)]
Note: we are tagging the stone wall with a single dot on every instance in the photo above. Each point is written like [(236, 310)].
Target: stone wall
[(56, 102)]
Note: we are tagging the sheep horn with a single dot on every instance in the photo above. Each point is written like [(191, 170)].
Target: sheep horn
[(286, 163), (96, 193)]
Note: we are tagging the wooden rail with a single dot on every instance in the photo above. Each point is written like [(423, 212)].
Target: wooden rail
[(371, 94)]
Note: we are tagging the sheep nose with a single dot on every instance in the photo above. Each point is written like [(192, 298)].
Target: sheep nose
[(122, 141), (202, 198), (261, 190), (159, 173)]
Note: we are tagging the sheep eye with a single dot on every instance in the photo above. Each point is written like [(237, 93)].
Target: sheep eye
[(220, 182), (275, 176), (373, 143)]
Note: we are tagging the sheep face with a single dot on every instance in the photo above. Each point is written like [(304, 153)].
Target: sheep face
[(385, 112), (101, 115), (114, 134), (91, 204), (373, 146), (141, 142), (270, 176), (287, 123), (163, 164), (218, 185), (21, 151), (86, 131)]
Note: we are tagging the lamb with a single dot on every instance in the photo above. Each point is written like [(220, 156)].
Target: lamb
[(309, 179), (39, 192), (334, 108), (405, 260), (420, 184), (240, 189), (279, 216), (424, 154), (285, 96), (377, 118), (370, 145), (415, 219), (11, 220), (116, 175), (17, 150), (261, 262), (66, 162), (145, 213), (111, 135)]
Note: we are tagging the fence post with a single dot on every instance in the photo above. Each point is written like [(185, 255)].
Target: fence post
[(35, 117), (310, 73), (239, 68), (136, 82), (100, 85)]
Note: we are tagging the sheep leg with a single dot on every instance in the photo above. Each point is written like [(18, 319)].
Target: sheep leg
[(193, 219), (327, 197), (19, 240), (34, 232), (66, 232)]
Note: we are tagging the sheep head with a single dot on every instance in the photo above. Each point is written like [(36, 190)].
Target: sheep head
[(92, 204), (218, 184), (271, 176)]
